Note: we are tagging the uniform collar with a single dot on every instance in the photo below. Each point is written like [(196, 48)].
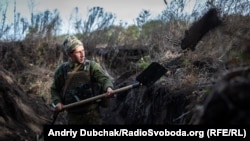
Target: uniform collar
[(73, 65)]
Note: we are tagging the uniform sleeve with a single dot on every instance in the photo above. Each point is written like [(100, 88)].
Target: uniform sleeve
[(57, 85), (100, 75)]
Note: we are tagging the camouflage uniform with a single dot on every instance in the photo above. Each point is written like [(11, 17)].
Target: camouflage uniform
[(84, 84)]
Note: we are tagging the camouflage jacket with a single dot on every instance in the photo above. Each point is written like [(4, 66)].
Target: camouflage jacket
[(96, 72)]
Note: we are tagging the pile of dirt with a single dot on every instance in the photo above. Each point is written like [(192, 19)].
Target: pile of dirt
[(22, 116), (229, 101)]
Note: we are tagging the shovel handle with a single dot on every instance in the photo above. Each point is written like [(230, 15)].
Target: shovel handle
[(100, 96)]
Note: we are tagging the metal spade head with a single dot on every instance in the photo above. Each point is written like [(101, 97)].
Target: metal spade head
[(151, 74)]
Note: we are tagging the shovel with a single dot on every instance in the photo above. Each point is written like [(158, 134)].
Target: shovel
[(147, 77)]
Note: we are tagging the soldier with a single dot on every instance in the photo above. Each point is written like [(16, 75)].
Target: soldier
[(78, 79)]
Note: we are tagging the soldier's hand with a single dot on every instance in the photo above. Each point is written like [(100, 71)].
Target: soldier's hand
[(59, 107), (109, 92)]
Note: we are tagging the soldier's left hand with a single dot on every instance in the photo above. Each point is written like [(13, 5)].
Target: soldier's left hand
[(109, 92)]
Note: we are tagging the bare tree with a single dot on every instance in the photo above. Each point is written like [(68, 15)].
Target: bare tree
[(15, 18), (143, 17), (174, 10), (31, 5), (3, 28), (46, 25), (97, 19), (20, 25), (233, 7)]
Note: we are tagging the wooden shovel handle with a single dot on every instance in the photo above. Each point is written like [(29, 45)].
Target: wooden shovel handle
[(100, 96)]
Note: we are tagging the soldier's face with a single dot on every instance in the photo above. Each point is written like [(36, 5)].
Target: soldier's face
[(78, 55)]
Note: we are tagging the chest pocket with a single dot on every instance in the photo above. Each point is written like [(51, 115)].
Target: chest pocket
[(79, 88)]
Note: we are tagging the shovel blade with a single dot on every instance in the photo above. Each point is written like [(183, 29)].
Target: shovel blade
[(151, 74)]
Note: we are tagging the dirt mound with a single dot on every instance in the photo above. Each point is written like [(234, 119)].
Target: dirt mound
[(229, 101), (199, 28), (21, 115)]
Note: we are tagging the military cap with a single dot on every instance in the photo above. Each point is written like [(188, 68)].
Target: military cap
[(70, 43)]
